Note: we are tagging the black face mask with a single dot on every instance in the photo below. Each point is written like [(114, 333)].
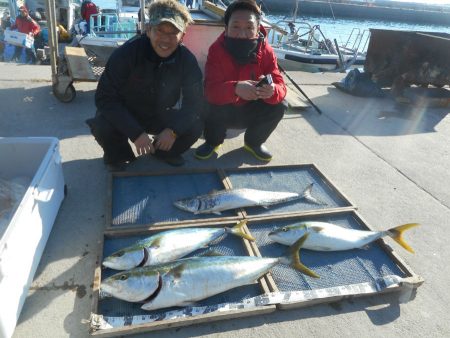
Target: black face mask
[(242, 50)]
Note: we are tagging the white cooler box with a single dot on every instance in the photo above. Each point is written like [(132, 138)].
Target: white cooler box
[(34, 165), (19, 39)]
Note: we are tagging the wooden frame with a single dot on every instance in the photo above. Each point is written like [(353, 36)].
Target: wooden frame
[(411, 281), (277, 298), (223, 175), (158, 325)]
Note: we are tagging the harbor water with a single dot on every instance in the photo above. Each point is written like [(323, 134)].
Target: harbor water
[(340, 28)]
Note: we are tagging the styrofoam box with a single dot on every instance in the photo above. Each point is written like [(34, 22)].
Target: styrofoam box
[(23, 240), (19, 39)]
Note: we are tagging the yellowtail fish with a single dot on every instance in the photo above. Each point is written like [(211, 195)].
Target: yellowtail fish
[(329, 237), (222, 200), (169, 245), (188, 280)]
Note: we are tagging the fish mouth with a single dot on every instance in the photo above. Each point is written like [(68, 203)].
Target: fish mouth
[(272, 233), (126, 266)]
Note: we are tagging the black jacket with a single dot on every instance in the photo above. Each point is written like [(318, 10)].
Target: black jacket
[(137, 87)]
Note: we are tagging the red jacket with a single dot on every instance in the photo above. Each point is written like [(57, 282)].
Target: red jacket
[(222, 73), (88, 8), (26, 25)]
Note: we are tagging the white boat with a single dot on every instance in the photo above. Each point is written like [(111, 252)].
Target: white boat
[(300, 46)]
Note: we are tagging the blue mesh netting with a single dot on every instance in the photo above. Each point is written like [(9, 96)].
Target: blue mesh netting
[(288, 179), (149, 199)]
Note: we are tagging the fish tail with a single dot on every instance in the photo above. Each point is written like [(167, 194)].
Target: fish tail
[(307, 195), (238, 230), (294, 254), (397, 235)]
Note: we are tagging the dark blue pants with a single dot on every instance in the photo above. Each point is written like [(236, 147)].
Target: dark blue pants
[(257, 117)]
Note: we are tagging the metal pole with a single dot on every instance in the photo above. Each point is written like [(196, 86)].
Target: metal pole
[(300, 90), (52, 37), (341, 59), (142, 5), (294, 15)]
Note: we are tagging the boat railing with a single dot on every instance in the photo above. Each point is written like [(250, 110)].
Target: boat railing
[(357, 41), (112, 26), (300, 35)]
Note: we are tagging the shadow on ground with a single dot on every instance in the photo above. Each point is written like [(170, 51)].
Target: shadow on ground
[(371, 116)]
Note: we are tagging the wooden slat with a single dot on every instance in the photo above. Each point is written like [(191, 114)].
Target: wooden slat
[(180, 322), (78, 64)]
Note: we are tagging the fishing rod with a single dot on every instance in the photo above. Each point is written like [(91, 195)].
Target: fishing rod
[(300, 90)]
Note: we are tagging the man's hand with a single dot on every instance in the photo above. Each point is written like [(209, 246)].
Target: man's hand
[(165, 140), (144, 144), (246, 90), (265, 91)]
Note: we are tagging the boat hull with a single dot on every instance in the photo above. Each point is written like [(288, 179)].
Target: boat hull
[(293, 60)]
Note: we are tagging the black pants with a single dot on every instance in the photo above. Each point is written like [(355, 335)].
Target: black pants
[(117, 149), (259, 118)]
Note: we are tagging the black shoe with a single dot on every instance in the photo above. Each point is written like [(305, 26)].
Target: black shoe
[(205, 151), (116, 167), (173, 160), (260, 152)]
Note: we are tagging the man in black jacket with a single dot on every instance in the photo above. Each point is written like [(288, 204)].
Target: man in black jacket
[(151, 85)]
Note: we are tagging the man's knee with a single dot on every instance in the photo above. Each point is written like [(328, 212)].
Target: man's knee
[(276, 111), (100, 127), (281, 108), (196, 129)]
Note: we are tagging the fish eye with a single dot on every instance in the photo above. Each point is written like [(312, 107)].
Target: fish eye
[(284, 229), (123, 277)]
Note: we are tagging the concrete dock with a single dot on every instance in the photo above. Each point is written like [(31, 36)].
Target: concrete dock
[(391, 162)]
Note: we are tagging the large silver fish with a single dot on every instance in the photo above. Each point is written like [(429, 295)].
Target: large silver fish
[(188, 280), (222, 200), (329, 237), (169, 245)]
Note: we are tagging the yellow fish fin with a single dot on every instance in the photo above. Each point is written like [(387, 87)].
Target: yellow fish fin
[(238, 230), (397, 235), (294, 251)]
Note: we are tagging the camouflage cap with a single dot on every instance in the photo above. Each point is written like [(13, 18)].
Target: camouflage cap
[(159, 14)]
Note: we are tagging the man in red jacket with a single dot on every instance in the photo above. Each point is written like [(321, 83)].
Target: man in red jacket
[(25, 24), (236, 61), (88, 8)]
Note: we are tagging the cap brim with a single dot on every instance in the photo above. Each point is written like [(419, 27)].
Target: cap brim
[(177, 25)]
